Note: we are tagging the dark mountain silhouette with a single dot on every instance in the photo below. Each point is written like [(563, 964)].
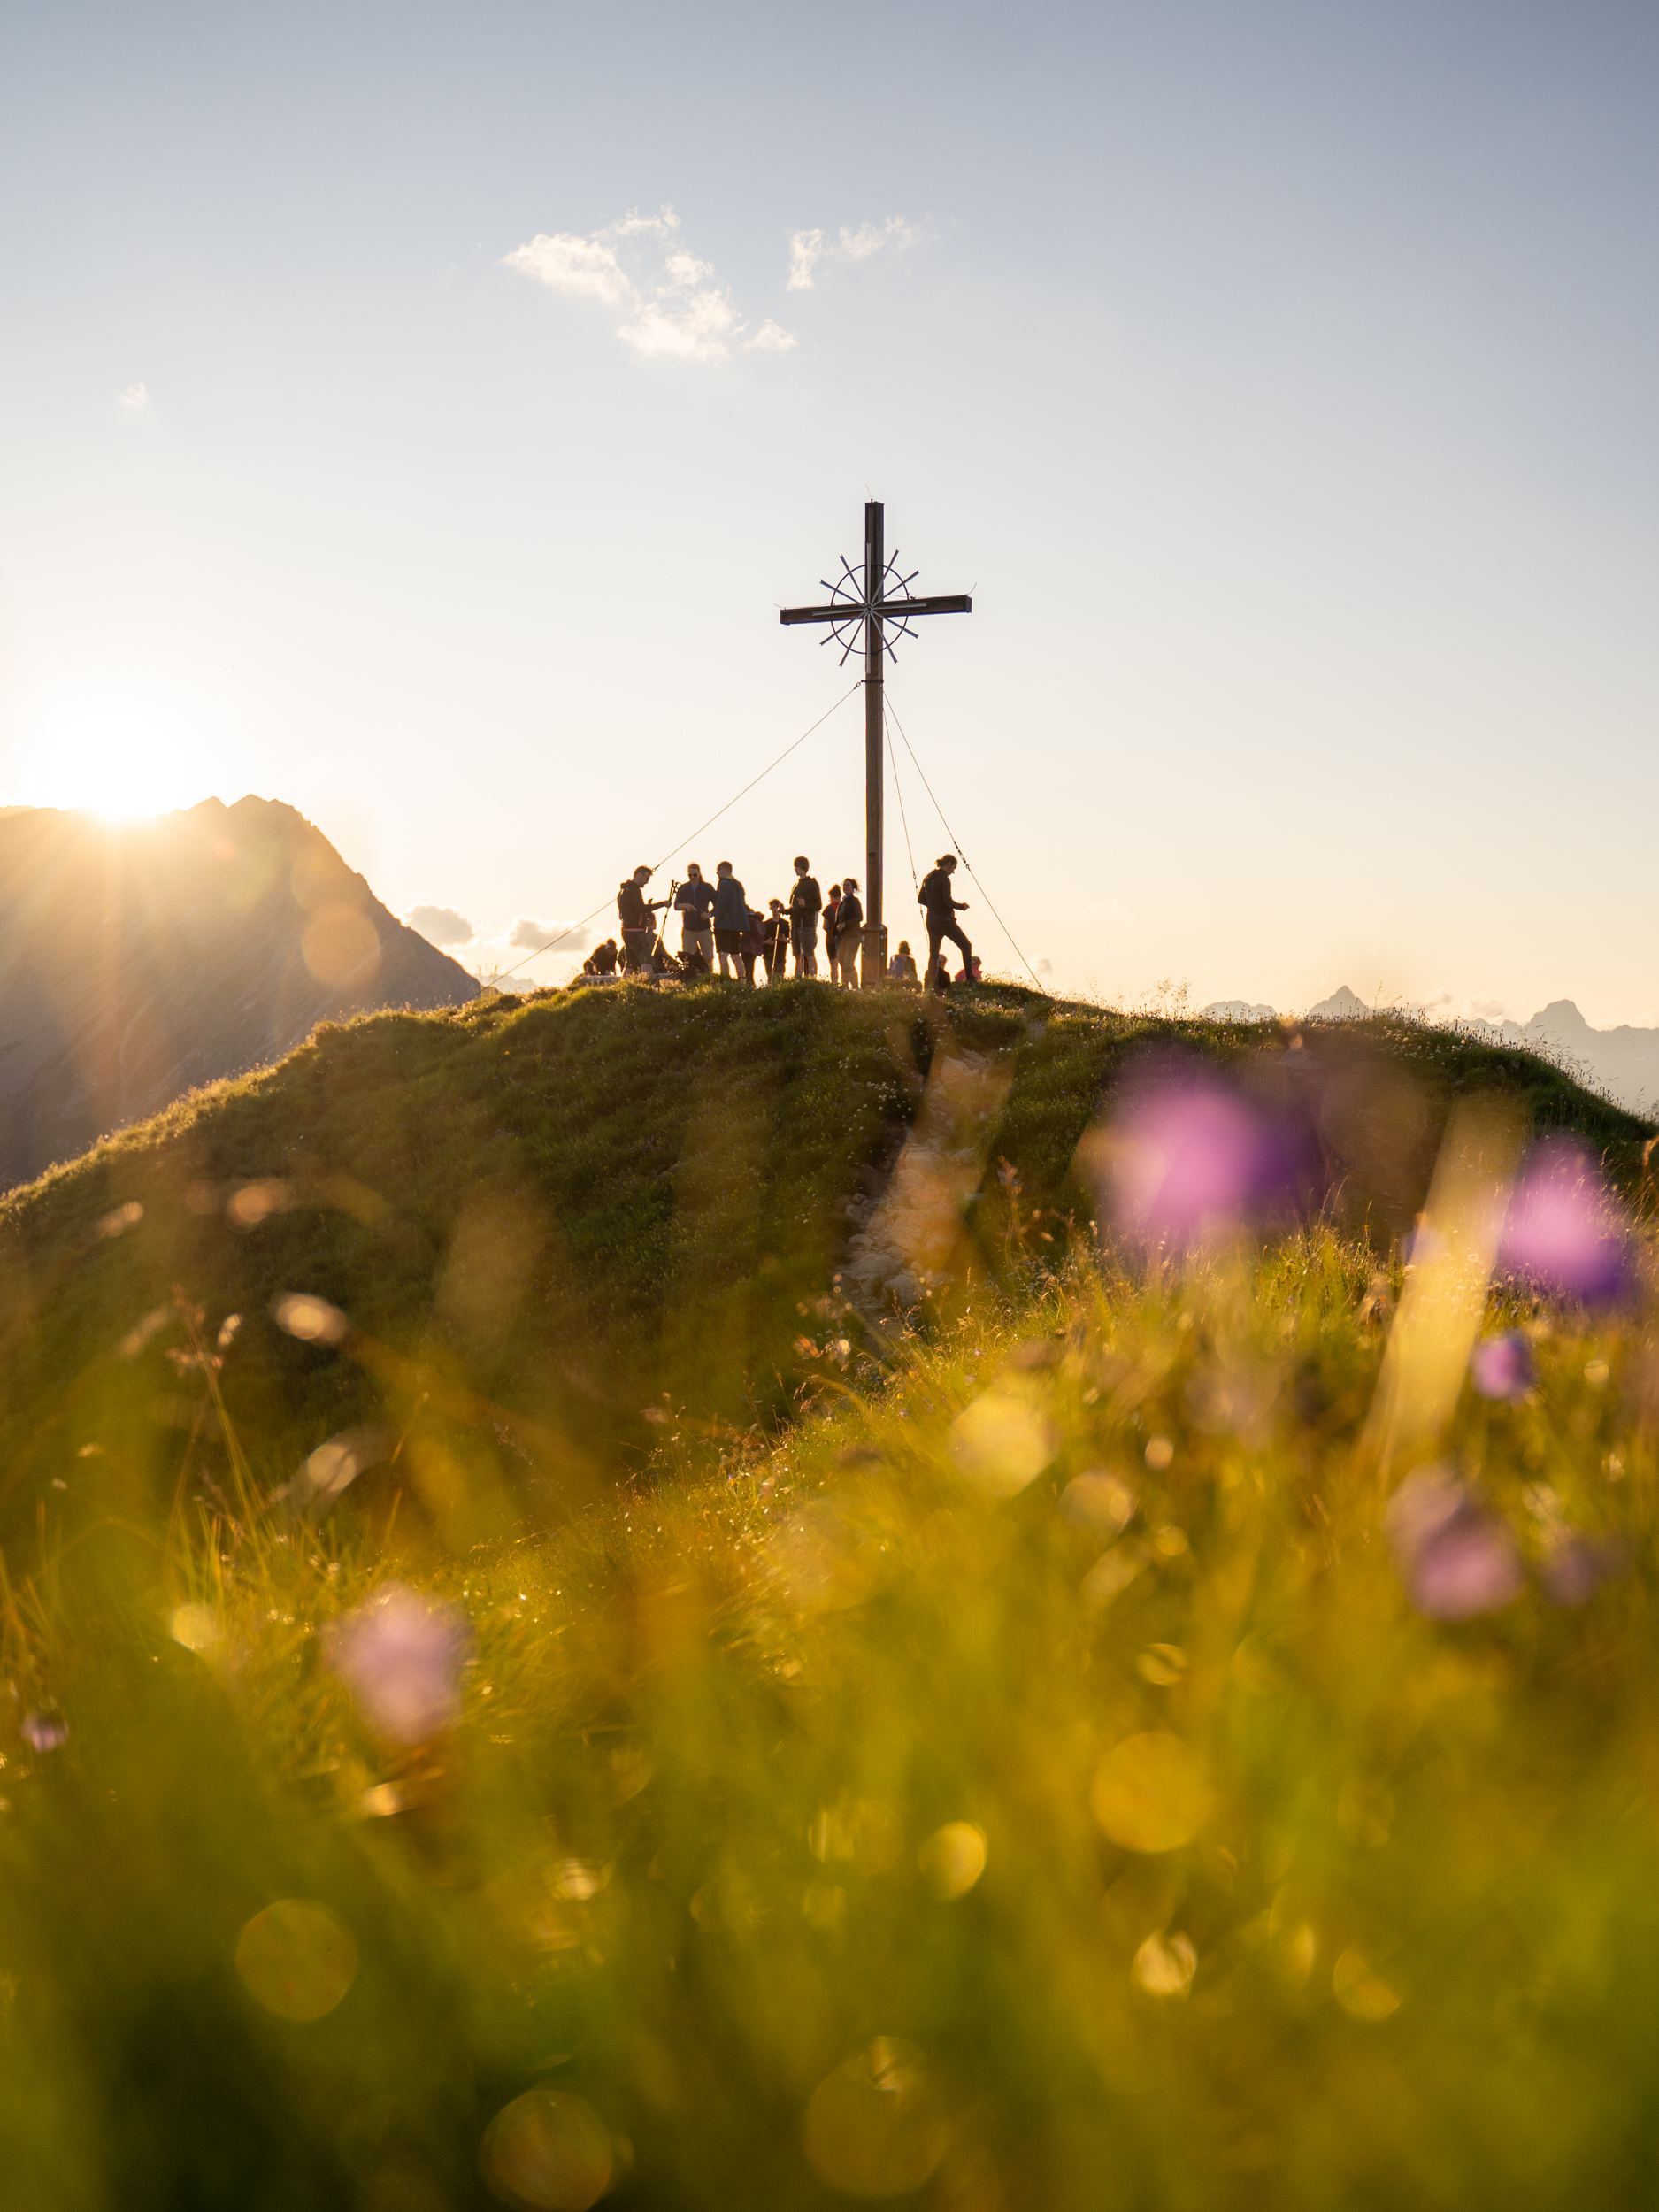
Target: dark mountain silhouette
[(140, 960)]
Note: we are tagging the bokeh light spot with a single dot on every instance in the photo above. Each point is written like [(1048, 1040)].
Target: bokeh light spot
[(1164, 1966), (874, 2128), (1001, 1443), (547, 2151), (1360, 1990), (194, 1626), (953, 1858), (342, 947), (1150, 1793), (295, 1959)]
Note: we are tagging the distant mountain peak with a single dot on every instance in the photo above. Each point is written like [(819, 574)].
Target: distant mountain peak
[(1343, 1005)]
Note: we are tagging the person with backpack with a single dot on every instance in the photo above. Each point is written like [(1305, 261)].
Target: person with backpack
[(849, 923), (941, 910), (775, 931), (806, 902), (902, 967), (731, 920), (635, 911)]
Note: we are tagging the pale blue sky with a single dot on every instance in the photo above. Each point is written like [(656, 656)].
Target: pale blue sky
[(1279, 378)]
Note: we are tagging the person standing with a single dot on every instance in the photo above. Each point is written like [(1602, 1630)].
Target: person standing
[(694, 905), (941, 910), (635, 911), (753, 942), (806, 902), (731, 918), (776, 933), (849, 923), (832, 926)]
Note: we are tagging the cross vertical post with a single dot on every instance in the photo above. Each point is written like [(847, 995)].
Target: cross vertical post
[(879, 603), (875, 936)]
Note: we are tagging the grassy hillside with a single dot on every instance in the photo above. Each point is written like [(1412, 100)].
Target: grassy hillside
[(552, 1223)]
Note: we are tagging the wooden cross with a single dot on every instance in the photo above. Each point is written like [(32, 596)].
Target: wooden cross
[(876, 600)]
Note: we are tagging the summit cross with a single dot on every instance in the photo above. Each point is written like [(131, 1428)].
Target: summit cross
[(874, 600)]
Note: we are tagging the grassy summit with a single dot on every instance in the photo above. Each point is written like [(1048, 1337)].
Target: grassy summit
[(998, 1760), (545, 1219)]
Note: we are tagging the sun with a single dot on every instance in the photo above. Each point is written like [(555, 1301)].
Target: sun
[(121, 758)]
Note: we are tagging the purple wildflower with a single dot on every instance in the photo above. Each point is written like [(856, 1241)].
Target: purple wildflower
[(1190, 1160), (1455, 1558), (1565, 1231), (1502, 1366), (46, 1731), (1575, 1567), (401, 1658)]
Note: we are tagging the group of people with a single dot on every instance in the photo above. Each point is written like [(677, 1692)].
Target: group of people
[(717, 923)]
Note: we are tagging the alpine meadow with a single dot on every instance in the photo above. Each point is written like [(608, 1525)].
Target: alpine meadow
[(699, 1598)]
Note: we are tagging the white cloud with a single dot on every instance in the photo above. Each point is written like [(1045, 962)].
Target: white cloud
[(441, 925), (808, 247), (693, 328), (585, 267), (135, 399), (676, 311), (527, 934)]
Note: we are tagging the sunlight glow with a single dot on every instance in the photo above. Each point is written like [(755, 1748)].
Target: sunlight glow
[(122, 758)]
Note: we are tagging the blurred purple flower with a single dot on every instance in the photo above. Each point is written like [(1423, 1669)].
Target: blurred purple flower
[(1502, 1366), (400, 1657), (1453, 1557), (46, 1732), (1575, 1567), (1564, 1230), (1191, 1159)]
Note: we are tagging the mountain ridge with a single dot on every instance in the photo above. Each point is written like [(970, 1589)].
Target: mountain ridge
[(140, 961)]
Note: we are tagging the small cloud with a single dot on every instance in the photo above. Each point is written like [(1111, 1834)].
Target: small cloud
[(678, 312), (1044, 966), (808, 247), (528, 934), (583, 266), (135, 399), (696, 328), (1113, 912), (441, 925)]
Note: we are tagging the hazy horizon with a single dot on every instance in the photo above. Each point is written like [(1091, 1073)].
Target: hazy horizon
[(420, 419)]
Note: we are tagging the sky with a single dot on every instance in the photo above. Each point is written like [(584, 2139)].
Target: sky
[(420, 415)]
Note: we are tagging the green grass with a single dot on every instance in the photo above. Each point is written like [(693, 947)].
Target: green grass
[(747, 1683), (673, 1860), (546, 1218)]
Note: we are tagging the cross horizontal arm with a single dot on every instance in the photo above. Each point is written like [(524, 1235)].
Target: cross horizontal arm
[(893, 609)]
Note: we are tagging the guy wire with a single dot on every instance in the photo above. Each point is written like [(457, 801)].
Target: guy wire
[(897, 793), (571, 928), (956, 842)]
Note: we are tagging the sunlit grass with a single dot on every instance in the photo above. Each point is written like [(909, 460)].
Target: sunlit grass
[(876, 1812)]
